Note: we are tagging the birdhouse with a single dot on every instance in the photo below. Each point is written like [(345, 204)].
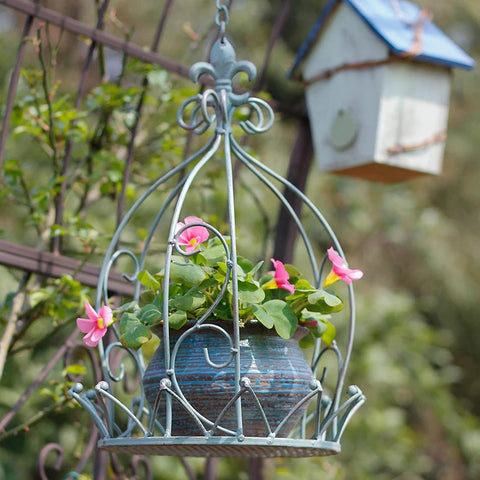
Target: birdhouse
[(377, 76)]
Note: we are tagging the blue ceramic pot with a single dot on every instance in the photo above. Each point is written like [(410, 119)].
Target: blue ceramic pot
[(277, 369)]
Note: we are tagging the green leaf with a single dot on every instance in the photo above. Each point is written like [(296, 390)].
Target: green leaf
[(39, 296), (329, 334), (307, 341), (187, 274), (128, 307), (245, 264), (189, 302), (278, 314), (261, 314), (213, 254), (293, 272), (75, 369), (150, 314), (249, 292), (177, 319), (128, 319), (286, 322), (136, 335), (324, 302), (147, 279), (304, 286)]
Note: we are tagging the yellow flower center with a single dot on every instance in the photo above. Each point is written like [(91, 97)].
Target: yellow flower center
[(100, 323), (193, 242)]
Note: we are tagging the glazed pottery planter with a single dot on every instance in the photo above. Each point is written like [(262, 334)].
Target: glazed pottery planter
[(277, 369)]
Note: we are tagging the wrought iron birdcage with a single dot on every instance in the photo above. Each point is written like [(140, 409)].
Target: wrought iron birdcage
[(135, 425)]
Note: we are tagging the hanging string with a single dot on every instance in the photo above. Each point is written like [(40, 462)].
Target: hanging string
[(222, 17), (424, 14), (417, 26)]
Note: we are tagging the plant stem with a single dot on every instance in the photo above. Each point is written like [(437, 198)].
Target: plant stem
[(25, 427), (15, 312)]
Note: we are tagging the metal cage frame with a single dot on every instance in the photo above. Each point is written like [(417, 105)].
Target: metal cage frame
[(142, 433)]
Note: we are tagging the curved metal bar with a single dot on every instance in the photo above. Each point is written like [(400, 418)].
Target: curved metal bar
[(249, 126), (253, 162), (332, 348), (307, 398), (210, 98), (245, 159), (358, 397), (227, 407), (224, 286), (138, 461), (137, 409), (168, 201), (67, 359), (295, 190), (196, 328), (345, 419), (50, 447), (102, 392), (193, 126), (171, 237), (165, 387), (86, 403), (116, 236), (168, 256), (110, 264)]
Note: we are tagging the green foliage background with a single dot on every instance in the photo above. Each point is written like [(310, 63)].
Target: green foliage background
[(416, 354)]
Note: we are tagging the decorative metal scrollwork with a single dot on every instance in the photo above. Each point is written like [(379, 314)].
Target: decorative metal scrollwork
[(151, 429)]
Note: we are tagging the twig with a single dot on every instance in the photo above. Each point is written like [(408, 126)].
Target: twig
[(25, 427), (16, 309)]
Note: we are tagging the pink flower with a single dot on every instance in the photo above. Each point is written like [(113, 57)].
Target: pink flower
[(192, 237), (340, 271), (280, 278), (95, 326)]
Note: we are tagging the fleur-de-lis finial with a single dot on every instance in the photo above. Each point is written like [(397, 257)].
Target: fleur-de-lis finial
[(223, 66)]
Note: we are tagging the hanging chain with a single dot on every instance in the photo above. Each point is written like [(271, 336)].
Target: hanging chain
[(221, 18)]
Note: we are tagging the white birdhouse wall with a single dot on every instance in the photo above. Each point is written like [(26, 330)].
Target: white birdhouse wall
[(385, 122)]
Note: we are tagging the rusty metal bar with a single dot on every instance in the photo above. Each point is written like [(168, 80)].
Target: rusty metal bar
[(79, 28), (52, 265)]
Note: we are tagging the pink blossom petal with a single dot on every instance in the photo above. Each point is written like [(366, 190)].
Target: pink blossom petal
[(106, 313), (340, 269), (98, 333), (192, 219), (191, 237), (335, 258), (178, 226), (280, 272), (92, 338), (92, 314), (87, 339), (281, 276), (85, 324)]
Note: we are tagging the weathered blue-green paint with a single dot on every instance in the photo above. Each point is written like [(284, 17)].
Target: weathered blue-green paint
[(262, 405)]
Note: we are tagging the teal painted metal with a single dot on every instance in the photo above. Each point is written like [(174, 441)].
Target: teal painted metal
[(137, 428)]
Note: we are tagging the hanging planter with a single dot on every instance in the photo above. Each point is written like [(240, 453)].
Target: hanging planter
[(276, 377), (229, 377)]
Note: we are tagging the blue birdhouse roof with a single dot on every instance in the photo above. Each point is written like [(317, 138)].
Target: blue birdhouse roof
[(395, 23)]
